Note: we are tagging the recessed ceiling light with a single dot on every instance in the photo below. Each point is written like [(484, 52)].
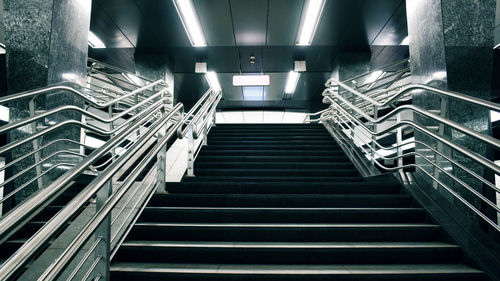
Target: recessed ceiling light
[(251, 80), (213, 81), (309, 21), (95, 42), (291, 82), (189, 18)]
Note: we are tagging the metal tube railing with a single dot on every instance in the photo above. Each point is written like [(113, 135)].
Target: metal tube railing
[(356, 135)]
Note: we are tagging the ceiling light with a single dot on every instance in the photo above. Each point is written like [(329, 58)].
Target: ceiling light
[(405, 41), (496, 46), (309, 21), (95, 42), (213, 81), (291, 82), (189, 18), (251, 80), (373, 77)]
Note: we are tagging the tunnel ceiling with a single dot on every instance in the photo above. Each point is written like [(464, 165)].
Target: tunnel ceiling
[(236, 29)]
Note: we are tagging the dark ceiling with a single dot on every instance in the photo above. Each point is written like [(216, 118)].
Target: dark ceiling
[(266, 29)]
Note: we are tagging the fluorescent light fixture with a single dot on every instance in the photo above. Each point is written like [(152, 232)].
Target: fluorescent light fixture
[(496, 46), (251, 80), (213, 81), (309, 21), (2, 48), (189, 18), (291, 82), (373, 77), (95, 42), (405, 41)]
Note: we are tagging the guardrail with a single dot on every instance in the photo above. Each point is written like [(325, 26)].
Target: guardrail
[(353, 120), (114, 198)]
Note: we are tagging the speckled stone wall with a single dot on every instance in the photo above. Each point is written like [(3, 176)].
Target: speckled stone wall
[(155, 67), (46, 43), (451, 47), (349, 65)]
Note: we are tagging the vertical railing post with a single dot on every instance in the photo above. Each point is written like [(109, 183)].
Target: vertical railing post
[(36, 144), (399, 141), (374, 138), (161, 158), (102, 251), (439, 146), (190, 168)]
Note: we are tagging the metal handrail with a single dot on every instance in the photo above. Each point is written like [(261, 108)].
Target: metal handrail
[(76, 244), (198, 116), (468, 187), (34, 93), (23, 211), (119, 69), (347, 114)]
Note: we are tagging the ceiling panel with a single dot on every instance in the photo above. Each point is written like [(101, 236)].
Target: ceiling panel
[(104, 28), (395, 30), (223, 59), (126, 15), (215, 19), (245, 54), (249, 21), (278, 59), (161, 26), (283, 21), (376, 14), (327, 32)]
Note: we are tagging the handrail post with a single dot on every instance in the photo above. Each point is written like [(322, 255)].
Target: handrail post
[(374, 138), (190, 168), (399, 141), (102, 251), (36, 143), (161, 158), (439, 146)]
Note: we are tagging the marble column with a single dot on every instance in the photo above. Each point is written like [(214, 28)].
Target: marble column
[(46, 43), (155, 67), (348, 65), (451, 47)]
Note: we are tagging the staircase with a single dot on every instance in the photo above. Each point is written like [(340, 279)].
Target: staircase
[(283, 202)]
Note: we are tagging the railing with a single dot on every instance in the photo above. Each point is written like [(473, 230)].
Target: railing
[(108, 207), (353, 120)]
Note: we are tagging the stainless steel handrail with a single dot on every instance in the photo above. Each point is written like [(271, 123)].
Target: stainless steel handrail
[(19, 259), (76, 244), (117, 69), (462, 183), (31, 94), (346, 115)]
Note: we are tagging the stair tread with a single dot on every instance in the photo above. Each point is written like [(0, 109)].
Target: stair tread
[(291, 245), (284, 209), (291, 225), (295, 269)]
